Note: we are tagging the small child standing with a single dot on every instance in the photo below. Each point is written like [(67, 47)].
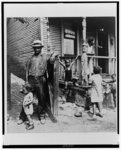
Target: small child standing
[(84, 65), (111, 89), (68, 70), (96, 91), (28, 105), (68, 73)]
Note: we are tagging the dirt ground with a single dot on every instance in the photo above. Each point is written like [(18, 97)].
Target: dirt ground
[(67, 122)]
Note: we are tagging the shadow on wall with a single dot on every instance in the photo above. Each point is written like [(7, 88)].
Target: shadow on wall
[(14, 67)]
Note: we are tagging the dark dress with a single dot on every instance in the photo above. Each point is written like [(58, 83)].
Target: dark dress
[(68, 74)]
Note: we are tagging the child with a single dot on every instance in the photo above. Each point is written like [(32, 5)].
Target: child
[(68, 71), (84, 65), (96, 91), (111, 88), (28, 105)]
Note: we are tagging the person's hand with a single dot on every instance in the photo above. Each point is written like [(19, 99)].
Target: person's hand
[(79, 56), (26, 82), (56, 55)]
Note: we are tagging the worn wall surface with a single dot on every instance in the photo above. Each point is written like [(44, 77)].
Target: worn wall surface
[(20, 34)]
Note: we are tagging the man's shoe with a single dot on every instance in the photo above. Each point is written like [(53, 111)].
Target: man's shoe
[(42, 120), (100, 115), (78, 114), (54, 120)]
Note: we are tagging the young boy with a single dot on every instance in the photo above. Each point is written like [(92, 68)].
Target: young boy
[(28, 106)]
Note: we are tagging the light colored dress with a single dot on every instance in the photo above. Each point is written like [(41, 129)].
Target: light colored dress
[(97, 90), (84, 62), (28, 104), (90, 50)]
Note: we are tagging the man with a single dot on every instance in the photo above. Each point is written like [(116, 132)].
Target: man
[(36, 75)]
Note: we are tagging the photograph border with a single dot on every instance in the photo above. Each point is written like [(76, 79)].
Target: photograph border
[(3, 78)]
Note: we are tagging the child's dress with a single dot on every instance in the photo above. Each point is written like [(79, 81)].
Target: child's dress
[(27, 104), (68, 74), (96, 91), (84, 65), (90, 51)]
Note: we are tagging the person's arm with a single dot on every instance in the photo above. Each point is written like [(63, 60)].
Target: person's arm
[(31, 96), (62, 64), (52, 56), (107, 82), (74, 61)]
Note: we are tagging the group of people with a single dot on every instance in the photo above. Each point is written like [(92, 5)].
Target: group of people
[(36, 86)]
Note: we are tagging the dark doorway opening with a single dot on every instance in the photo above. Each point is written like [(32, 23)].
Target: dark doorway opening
[(103, 51)]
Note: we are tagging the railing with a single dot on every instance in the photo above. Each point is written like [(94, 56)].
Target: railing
[(76, 68), (104, 57), (111, 65)]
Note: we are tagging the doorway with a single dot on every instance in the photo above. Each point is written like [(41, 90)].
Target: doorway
[(103, 51)]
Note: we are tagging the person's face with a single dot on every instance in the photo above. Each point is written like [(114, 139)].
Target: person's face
[(67, 64), (24, 90), (113, 77), (84, 49), (37, 50)]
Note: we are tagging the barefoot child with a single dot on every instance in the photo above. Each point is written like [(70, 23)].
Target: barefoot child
[(68, 72), (96, 91), (111, 88), (27, 106)]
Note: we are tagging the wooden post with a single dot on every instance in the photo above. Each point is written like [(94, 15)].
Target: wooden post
[(84, 29), (56, 86)]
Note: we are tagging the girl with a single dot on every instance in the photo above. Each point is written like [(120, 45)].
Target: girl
[(68, 74), (68, 70), (84, 65), (96, 91)]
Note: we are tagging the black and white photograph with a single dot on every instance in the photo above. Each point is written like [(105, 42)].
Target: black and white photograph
[(60, 63)]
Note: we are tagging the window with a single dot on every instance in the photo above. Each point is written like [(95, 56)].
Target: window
[(70, 40)]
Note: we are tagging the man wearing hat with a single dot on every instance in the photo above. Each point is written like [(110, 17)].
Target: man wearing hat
[(36, 75)]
